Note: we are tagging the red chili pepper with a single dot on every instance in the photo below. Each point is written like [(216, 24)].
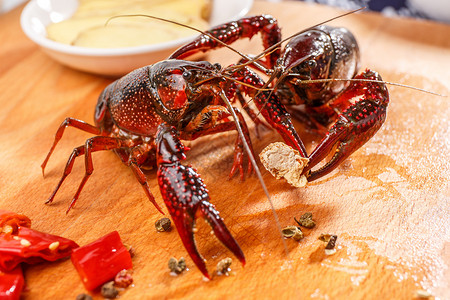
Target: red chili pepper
[(11, 284), (19, 243), (31, 246), (101, 260), (14, 220)]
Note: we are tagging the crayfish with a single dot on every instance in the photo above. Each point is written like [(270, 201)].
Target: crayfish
[(316, 69), (143, 116)]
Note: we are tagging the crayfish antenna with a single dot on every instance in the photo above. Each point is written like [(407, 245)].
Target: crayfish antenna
[(182, 25), (256, 169), (309, 81)]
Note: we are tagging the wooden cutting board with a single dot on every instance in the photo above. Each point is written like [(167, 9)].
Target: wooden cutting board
[(388, 203)]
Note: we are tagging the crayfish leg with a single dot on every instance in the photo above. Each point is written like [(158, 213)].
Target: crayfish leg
[(256, 120), (271, 108), (59, 133), (214, 119), (238, 162), (354, 126), (93, 144), (134, 159), (186, 197)]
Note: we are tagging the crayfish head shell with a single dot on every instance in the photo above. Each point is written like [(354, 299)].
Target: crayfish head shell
[(176, 82)]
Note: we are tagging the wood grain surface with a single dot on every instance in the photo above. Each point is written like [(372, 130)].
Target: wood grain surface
[(388, 203)]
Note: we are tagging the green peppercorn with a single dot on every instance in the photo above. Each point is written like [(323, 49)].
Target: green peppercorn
[(177, 266), (293, 232), (109, 291), (163, 224), (306, 220)]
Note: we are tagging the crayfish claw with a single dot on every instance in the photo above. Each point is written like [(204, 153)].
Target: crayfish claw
[(357, 124), (211, 215), (185, 223), (187, 198)]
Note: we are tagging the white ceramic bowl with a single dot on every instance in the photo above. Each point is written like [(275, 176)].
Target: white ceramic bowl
[(37, 14), (435, 9)]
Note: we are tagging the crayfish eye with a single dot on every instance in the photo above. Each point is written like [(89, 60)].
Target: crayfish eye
[(312, 64), (187, 75), (172, 91)]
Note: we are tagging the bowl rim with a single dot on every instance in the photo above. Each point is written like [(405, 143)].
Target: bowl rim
[(26, 19)]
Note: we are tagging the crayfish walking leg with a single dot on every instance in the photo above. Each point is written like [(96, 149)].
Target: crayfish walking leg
[(186, 196), (94, 144)]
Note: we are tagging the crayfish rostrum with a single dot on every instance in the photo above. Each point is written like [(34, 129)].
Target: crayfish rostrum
[(144, 115)]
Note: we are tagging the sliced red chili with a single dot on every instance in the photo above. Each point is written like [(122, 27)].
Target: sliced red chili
[(100, 261), (12, 219), (11, 284), (19, 243), (31, 246)]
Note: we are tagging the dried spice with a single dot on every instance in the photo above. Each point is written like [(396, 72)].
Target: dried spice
[(332, 242), (9, 221), (130, 250), (163, 224), (19, 244), (330, 239), (100, 261), (306, 220), (84, 297), (123, 279), (223, 267), (293, 232), (177, 266), (109, 291), (281, 160)]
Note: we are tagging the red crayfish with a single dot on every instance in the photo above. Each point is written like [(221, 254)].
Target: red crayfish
[(317, 70), (144, 115)]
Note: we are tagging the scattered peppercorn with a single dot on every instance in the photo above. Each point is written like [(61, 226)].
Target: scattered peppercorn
[(332, 242), (131, 251), (306, 220), (330, 239), (223, 267), (163, 224), (109, 291), (173, 263), (182, 264), (84, 297), (292, 232), (123, 279), (177, 266)]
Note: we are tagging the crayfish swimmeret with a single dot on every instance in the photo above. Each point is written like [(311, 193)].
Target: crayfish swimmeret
[(144, 115)]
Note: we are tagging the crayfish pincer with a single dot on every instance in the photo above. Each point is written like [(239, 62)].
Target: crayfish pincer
[(143, 116), (185, 202)]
